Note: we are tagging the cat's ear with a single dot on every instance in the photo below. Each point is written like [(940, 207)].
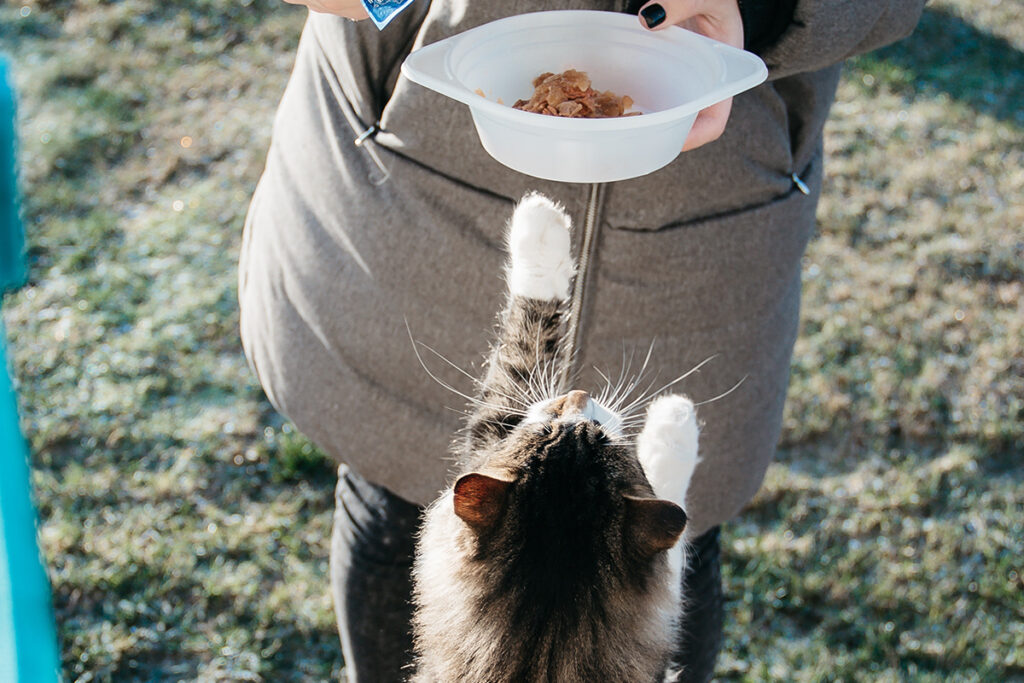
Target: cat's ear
[(480, 499), (652, 524)]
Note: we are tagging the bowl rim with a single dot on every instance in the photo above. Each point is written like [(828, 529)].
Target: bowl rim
[(430, 66)]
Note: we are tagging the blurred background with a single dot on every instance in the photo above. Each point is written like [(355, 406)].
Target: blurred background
[(186, 524)]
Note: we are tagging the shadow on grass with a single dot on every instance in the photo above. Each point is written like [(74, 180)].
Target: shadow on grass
[(948, 55)]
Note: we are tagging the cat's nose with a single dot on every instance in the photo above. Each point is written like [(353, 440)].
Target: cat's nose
[(574, 403)]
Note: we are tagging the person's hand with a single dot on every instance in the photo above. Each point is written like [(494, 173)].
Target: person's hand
[(718, 19), (352, 9)]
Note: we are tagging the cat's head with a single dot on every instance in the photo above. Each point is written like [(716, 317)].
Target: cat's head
[(548, 561), (564, 496)]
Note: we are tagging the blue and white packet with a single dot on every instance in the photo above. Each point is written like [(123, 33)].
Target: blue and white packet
[(383, 11)]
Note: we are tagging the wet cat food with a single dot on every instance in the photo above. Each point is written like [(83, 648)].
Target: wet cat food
[(570, 95)]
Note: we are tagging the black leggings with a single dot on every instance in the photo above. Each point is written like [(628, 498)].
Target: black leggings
[(372, 550)]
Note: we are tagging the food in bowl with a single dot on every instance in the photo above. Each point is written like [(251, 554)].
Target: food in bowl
[(671, 74), (570, 95)]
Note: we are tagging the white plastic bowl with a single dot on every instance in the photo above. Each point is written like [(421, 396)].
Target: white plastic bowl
[(670, 74)]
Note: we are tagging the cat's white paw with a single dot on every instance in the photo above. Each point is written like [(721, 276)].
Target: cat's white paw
[(667, 446), (540, 249)]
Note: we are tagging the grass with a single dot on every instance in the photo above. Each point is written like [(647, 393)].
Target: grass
[(186, 524)]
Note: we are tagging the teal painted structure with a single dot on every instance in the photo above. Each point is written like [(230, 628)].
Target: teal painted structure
[(28, 642)]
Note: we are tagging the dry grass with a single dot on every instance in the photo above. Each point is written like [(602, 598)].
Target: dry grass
[(185, 524)]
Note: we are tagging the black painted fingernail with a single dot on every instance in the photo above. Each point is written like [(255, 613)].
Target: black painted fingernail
[(653, 15)]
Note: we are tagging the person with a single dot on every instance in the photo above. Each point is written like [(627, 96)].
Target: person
[(379, 217)]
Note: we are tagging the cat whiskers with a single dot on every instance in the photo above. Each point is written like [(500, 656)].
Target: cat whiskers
[(632, 414), (532, 391), (611, 389), (722, 395), (647, 396), (633, 424), (623, 391), (511, 409), (542, 379)]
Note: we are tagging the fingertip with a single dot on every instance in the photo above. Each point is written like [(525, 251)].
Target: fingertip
[(652, 16)]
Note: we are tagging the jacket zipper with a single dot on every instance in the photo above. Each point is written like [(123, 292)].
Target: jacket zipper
[(587, 246)]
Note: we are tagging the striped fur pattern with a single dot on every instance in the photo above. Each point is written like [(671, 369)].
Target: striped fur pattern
[(551, 559)]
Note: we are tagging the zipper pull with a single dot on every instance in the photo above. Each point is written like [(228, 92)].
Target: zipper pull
[(800, 185), (367, 134)]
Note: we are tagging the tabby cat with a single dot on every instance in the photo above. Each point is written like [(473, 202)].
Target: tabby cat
[(555, 557)]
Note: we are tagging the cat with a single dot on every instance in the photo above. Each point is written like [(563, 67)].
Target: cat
[(556, 555)]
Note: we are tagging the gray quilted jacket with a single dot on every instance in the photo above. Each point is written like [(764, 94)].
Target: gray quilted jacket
[(350, 248)]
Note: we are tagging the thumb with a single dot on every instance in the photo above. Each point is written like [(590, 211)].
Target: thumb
[(658, 15)]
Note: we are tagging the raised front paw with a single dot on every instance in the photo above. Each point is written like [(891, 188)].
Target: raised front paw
[(539, 247), (667, 446)]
